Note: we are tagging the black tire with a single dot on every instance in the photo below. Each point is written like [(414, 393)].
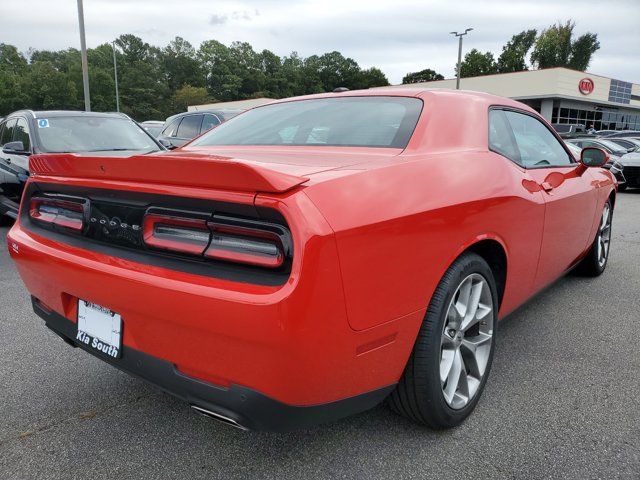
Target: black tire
[(591, 265), (419, 395)]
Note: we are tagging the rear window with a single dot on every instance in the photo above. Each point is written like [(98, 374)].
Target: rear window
[(347, 121)]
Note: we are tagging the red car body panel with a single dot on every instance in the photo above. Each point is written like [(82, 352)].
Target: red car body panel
[(373, 230)]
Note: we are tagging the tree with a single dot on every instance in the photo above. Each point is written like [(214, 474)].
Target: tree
[(476, 63), (156, 82), (514, 53), (555, 47), (13, 91), (189, 95), (49, 89), (180, 64), (426, 75), (371, 77)]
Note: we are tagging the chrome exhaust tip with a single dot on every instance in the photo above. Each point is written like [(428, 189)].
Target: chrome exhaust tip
[(219, 417)]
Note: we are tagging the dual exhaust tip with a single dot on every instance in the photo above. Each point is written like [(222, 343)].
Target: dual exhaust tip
[(219, 417)]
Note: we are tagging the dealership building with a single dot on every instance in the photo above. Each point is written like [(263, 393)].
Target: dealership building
[(561, 95)]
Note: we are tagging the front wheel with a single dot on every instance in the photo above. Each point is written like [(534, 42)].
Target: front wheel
[(596, 260), (452, 356)]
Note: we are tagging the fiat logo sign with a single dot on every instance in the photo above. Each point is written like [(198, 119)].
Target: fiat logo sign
[(586, 86)]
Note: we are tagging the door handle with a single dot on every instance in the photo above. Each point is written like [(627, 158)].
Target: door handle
[(546, 186)]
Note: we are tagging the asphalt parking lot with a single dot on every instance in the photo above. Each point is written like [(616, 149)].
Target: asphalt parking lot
[(562, 402)]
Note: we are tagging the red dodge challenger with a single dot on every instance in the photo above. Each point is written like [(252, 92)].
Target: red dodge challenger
[(312, 257)]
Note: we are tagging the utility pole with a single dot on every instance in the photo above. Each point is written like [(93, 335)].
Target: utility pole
[(83, 51), (459, 35), (115, 75)]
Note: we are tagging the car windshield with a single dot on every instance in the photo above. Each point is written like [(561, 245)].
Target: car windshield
[(372, 121), (613, 146), (74, 134)]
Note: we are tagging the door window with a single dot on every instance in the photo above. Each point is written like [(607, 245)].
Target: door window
[(208, 122), (7, 133), (190, 126), (537, 146), (21, 134)]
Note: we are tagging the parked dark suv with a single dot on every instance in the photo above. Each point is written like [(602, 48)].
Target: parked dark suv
[(27, 132), (183, 127)]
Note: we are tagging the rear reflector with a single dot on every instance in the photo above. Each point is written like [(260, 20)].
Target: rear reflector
[(67, 214)]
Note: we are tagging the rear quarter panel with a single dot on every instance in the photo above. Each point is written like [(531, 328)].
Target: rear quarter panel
[(398, 228)]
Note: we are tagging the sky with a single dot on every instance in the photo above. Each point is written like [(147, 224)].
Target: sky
[(396, 36)]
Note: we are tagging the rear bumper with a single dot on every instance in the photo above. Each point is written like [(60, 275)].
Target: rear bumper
[(291, 342), (241, 406)]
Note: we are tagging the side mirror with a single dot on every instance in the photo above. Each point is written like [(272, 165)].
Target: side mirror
[(593, 157), (166, 144), (15, 148)]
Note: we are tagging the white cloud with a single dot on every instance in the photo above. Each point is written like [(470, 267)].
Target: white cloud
[(398, 37)]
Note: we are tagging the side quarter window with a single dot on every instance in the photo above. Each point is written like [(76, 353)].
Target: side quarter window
[(501, 138), (21, 134), (7, 132), (538, 147)]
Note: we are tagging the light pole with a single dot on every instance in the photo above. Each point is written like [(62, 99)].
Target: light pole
[(459, 35), (115, 75), (83, 52)]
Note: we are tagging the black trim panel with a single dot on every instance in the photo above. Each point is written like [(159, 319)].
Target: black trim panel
[(199, 266), (248, 408)]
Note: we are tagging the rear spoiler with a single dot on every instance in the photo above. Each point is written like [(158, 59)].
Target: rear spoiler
[(193, 170)]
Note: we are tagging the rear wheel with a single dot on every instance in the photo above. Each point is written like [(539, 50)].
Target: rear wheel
[(452, 356), (596, 260)]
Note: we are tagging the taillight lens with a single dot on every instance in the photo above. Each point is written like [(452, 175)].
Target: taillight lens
[(67, 214), (245, 245), (171, 232), (217, 237)]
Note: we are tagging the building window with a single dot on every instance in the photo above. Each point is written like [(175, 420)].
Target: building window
[(601, 119), (620, 92)]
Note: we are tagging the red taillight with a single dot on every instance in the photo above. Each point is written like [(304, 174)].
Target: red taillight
[(217, 237), (179, 234), (245, 245), (62, 213)]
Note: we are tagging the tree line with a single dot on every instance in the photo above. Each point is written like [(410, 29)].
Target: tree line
[(555, 46), (157, 82)]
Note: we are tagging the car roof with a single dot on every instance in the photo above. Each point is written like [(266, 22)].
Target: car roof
[(421, 92), (215, 111), (67, 113)]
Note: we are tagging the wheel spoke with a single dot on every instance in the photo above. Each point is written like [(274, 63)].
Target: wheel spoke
[(453, 378), (605, 217), (474, 301), (446, 363), (476, 353)]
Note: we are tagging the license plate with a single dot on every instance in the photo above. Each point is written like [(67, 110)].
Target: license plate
[(99, 328)]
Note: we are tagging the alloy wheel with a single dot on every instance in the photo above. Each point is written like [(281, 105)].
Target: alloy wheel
[(466, 340)]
